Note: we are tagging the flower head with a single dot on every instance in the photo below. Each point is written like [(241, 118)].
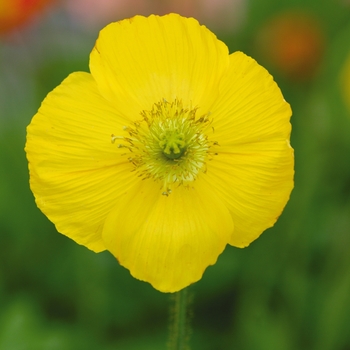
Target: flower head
[(345, 81), (16, 12), (293, 42), (168, 151)]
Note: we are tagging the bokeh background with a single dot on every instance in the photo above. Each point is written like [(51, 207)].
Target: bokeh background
[(290, 290)]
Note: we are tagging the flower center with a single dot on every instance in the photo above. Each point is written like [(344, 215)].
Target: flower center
[(168, 144), (173, 144)]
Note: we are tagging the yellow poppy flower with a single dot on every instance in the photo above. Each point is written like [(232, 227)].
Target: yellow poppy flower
[(168, 151), (345, 82)]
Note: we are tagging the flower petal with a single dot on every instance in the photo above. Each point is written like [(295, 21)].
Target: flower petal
[(250, 106), (255, 186), (141, 61), (76, 173), (253, 171), (168, 241)]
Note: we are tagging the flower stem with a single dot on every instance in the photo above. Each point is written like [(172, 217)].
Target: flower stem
[(179, 327)]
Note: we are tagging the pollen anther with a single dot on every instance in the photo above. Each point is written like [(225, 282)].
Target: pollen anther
[(169, 144)]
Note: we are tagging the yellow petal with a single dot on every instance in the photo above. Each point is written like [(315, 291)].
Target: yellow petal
[(250, 107), (168, 241), (76, 173), (255, 186), (253, 171), (141, 61)]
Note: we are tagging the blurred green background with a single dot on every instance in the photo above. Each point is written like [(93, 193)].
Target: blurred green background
[(289, 290)]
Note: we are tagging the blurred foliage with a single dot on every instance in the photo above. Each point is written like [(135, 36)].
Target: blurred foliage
[(289, 290)]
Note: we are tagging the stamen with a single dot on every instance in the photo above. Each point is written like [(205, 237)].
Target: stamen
[(116, 138), (168, 144)]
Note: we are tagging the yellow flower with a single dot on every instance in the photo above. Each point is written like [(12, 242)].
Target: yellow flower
[(345, 82), (168, 151)]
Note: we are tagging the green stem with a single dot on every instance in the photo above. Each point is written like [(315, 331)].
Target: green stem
[(179, 328)]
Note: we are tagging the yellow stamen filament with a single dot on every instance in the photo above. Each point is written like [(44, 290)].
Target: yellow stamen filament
[(168, 144)]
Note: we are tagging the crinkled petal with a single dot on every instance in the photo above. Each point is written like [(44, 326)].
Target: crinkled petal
[(141, 61), (168, 241), (251, 107), (253, 171), (76, 173), (255, 185)]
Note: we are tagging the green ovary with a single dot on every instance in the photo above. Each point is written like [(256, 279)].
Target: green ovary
[(168, 145), (172, 144)]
